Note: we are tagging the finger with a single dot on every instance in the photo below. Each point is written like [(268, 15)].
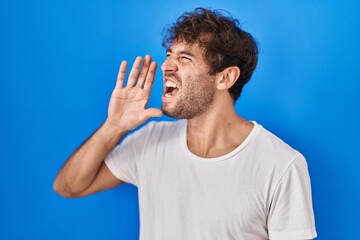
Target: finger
[(144, 71), (150, 76), (134, 72), (121, 75)]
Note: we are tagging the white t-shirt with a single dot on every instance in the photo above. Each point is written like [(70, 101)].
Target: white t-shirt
[(261, 190)]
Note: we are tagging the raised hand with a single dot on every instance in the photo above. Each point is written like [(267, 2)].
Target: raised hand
[(127, 107)]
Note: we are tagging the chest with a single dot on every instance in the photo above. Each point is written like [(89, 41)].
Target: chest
[(189, 197)]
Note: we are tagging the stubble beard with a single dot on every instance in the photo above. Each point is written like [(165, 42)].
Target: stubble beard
[(195, 99)]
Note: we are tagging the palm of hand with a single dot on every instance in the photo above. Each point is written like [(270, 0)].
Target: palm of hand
[(127, 107)]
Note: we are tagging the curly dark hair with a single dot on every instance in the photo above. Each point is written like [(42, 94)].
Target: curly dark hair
[(225, 43)]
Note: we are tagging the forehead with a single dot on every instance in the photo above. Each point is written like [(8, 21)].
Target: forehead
[(179, 47)]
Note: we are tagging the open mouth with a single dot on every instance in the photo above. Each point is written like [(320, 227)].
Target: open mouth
[(170, 89)]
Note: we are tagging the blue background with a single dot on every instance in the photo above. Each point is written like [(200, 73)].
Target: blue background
[(58, 65)]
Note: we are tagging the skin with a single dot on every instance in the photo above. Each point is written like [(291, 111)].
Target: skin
[(85, 172), (184, 66), (224, 129), (201, 98)]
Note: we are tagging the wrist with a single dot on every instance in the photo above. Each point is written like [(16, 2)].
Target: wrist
[(112, 131)]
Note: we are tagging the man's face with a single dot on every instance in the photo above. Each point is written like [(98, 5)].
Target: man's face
[(188, 88)]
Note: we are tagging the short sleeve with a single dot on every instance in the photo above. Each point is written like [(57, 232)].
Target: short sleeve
[(122, 161), (291, 213)]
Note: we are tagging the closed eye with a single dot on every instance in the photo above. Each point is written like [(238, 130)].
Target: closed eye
[(186, 58)]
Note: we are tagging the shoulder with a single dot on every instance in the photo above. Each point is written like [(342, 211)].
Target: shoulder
[(155, 130), (272, 150), (163, 127), (159, 125)]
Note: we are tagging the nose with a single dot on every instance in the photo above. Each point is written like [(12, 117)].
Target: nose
[(169, 65)]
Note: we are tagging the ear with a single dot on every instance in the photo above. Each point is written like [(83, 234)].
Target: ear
[(227, 77)]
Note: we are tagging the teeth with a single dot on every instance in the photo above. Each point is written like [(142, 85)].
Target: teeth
[(167, 95), (170, 84)]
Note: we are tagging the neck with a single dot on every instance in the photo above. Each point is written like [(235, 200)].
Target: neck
[(217, 132)]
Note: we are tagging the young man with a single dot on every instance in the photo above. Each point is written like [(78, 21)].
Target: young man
[(212, 175)]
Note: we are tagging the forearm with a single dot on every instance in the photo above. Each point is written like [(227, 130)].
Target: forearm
[(126, 111), (81, 168)]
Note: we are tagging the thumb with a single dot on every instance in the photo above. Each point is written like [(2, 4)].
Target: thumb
[(149, 113), (154, 112)]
